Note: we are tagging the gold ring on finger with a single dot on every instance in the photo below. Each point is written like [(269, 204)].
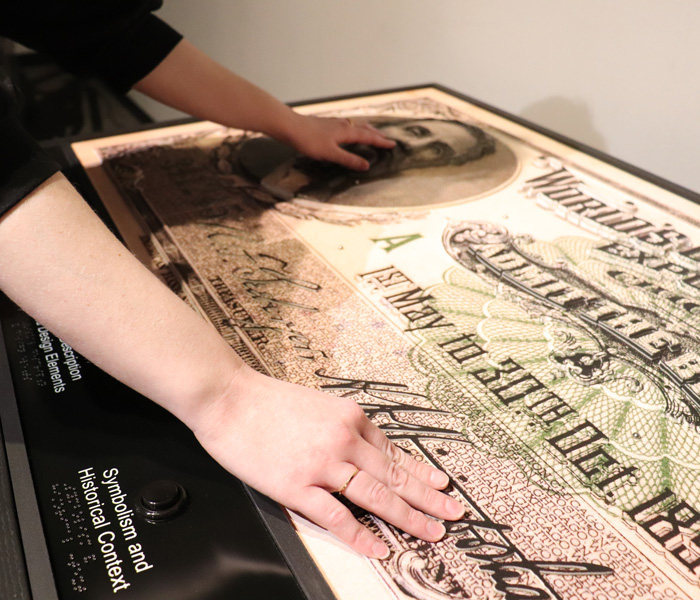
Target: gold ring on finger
[(347, 483)]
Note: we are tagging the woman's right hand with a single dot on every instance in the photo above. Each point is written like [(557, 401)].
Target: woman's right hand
[(299, 446)]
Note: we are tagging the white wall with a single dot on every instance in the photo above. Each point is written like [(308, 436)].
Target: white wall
[(620, 75)]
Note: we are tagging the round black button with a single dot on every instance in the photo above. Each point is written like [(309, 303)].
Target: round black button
[(162, 499)]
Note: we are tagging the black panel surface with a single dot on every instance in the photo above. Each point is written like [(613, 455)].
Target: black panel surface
[(93, 445)]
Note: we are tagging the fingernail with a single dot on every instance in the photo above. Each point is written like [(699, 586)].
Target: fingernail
[(456, 509), (439, 479), (436, 530), (381, 551)]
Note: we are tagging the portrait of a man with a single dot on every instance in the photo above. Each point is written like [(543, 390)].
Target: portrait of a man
[(434, 161)]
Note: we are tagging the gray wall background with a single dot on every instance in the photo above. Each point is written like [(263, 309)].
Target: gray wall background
[(619, 75)]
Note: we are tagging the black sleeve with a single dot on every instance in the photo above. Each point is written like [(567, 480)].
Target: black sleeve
[(23, 166), (120, 41)]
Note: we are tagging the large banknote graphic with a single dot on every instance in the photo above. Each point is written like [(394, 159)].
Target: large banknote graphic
[(535, 335)]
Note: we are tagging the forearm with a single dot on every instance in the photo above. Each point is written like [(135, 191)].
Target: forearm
[(61, 265), (194, 83)]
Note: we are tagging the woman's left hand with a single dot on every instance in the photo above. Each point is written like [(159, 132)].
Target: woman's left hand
[(322, 138)]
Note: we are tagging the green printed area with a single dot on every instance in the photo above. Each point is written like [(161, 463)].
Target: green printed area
[(578, 413), (391, 243)]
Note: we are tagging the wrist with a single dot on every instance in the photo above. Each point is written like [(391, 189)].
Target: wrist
[(287, 126), (212, 412)]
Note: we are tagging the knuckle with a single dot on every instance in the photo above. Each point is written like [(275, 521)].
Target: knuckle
[(386, 446), (357, 538), (337, 517), (397, 476), (430, 497), (341, 435), (396, 454), (415, 520), (378, 494), (352, 413)]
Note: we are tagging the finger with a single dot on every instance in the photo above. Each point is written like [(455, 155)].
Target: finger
[(348, 481), (422, 471), (374, 137), (373, 495), (324, 510), (398, 480), (347, 159), (364, 133)]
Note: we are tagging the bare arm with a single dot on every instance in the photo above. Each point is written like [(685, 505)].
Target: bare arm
[(61, 264), (194, 83)]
